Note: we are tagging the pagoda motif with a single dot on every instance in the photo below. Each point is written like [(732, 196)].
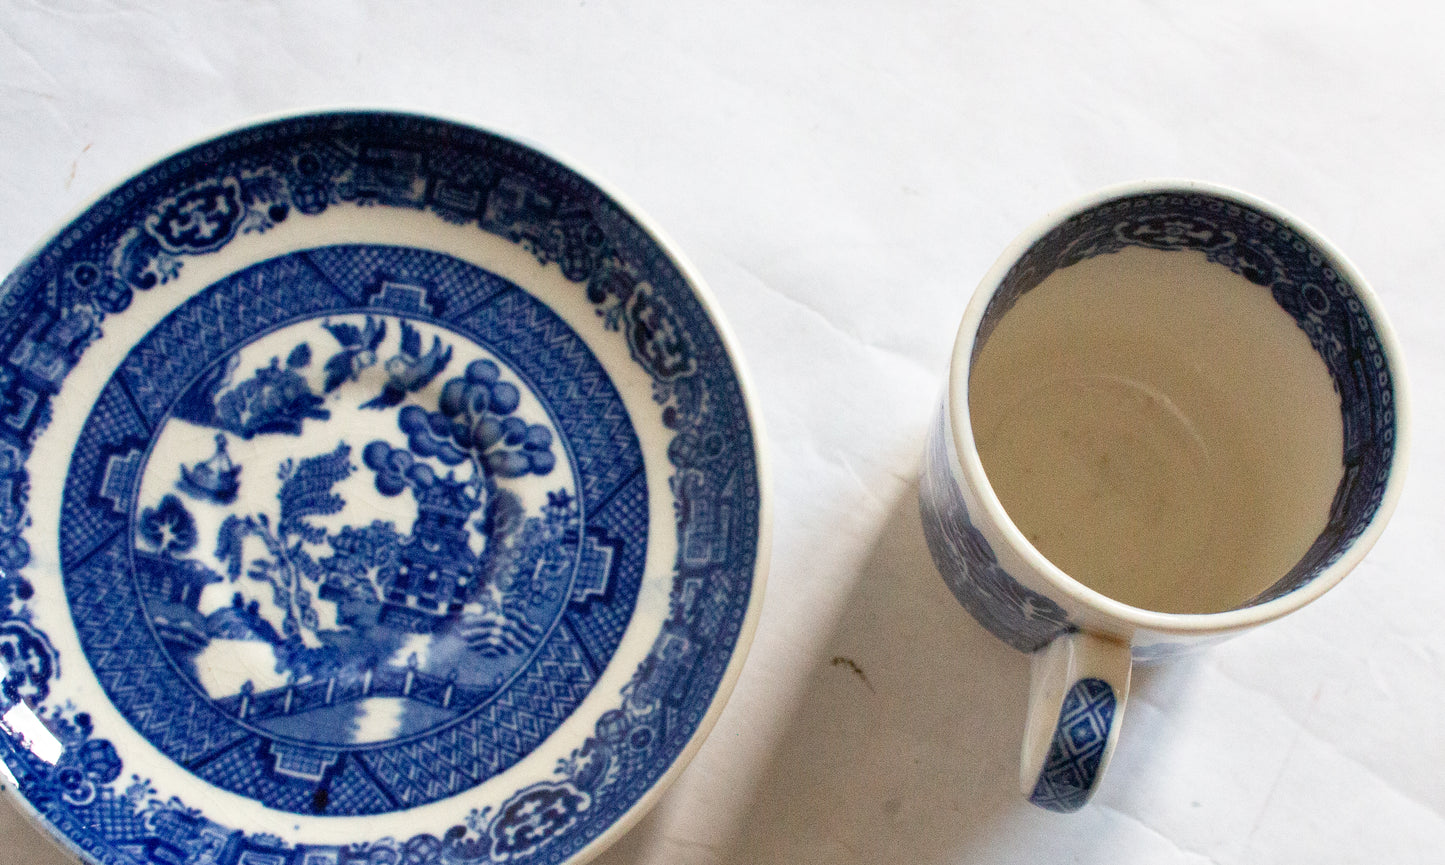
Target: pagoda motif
[(436, 574)]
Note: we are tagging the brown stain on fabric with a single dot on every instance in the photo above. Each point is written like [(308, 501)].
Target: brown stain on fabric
[(852, 665)]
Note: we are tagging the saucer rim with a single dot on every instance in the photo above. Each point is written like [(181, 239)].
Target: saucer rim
[(711, 309)]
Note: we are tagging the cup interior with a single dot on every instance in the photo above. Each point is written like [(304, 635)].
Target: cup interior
[(1216, 237)]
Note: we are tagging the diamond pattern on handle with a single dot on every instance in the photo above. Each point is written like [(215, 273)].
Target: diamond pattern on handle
[(1075, 755)]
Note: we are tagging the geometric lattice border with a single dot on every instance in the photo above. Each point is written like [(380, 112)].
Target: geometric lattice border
[(138, 237)]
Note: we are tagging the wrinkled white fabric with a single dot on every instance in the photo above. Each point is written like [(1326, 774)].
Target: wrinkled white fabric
[(842, 175)]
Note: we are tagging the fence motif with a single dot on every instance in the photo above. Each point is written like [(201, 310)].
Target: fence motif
[(295, 698)]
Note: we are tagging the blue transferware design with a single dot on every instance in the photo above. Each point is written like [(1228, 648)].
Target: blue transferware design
[(1077, 750), (216, 479), (1019, 616), (29, 661), (400, 489), (365, 640), (1304, 284)]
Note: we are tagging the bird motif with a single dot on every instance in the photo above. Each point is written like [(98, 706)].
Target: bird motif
[(358, 350), (409, 370)]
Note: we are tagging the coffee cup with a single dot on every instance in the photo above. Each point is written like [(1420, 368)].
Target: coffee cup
[(1173, 413)]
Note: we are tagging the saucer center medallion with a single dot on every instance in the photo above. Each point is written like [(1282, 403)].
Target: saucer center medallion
[(365, 569)]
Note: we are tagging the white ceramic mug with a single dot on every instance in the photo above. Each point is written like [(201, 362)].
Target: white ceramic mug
[(1173, 413)]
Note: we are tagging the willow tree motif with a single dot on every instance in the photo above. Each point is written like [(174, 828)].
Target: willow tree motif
[(289, 564)]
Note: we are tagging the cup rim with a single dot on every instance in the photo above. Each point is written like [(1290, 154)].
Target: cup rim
[(1119, 612)]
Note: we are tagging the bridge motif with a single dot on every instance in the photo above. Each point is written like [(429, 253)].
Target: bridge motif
[(295, 698)]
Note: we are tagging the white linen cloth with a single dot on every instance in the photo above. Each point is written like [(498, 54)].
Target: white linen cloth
[(842, 175)]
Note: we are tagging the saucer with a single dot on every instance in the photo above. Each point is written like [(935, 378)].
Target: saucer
[(373, 488)]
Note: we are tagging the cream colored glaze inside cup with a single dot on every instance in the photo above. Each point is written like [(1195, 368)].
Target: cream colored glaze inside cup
[(1158, 428)]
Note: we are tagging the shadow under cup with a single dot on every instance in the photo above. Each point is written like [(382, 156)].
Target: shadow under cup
[(1183, 403)]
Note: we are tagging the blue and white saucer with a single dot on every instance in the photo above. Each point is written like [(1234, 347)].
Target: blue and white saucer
[(372, 489)]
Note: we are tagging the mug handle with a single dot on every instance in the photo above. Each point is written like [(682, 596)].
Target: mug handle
[(1079, 684)]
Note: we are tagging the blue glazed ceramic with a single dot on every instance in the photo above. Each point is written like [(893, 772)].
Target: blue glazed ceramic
[(372, 488)]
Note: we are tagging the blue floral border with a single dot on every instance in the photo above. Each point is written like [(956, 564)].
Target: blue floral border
[(139, 237)]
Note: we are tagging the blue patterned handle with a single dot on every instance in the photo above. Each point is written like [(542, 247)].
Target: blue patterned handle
[(1080, 683), (1076, 753)]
